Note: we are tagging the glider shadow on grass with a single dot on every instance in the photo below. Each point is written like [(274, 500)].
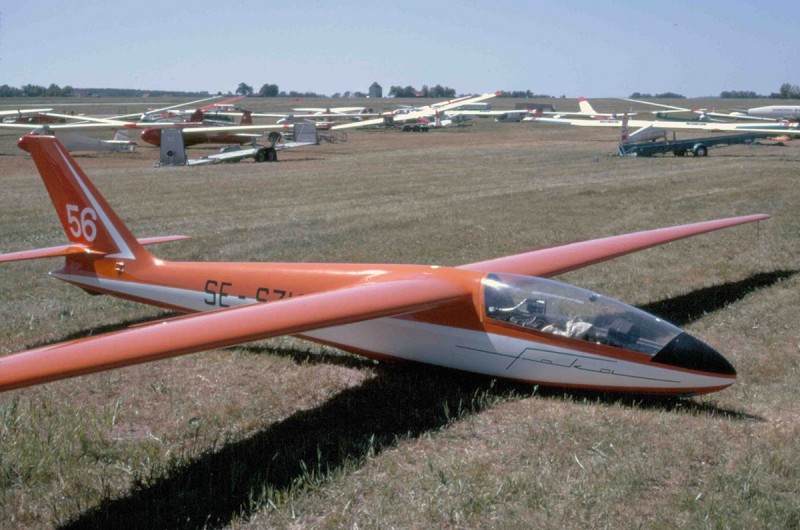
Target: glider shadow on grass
[(403, 401)]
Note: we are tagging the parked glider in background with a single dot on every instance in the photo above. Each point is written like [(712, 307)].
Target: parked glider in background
[(73, 122), (202, 129), (216, 127), (669, 110), (587, 111), (172, 111), (321, 119), (332, 110), (68, 128), (80, 123), (180, 109), (773, 113), (69, 125), (499, 115), (425, 114), (492, 317), (651, 129), (29, 116)]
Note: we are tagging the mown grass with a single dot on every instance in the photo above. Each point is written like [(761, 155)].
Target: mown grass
[(284, 433)]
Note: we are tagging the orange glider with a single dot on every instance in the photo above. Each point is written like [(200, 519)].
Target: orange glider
[(500, 317)]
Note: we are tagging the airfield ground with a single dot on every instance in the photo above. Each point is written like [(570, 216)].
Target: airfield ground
[(285, 433)]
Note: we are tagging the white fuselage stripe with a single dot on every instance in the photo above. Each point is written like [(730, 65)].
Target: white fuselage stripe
[(187, 299)]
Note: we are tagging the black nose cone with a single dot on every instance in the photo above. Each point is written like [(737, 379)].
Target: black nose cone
[(688, 352)]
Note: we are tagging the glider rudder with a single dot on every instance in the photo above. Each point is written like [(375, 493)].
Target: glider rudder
[(87, 219), (585, 106)]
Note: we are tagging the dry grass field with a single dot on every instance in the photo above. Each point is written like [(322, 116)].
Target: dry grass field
[(288, 434)]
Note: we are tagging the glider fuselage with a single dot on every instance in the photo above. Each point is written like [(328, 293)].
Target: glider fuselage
[(153, 136), (459, 335)]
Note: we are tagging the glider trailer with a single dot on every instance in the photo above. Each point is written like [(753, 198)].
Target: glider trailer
[(173, 152), (696, 146)]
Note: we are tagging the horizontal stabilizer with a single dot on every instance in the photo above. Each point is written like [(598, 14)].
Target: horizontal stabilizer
[(71, 250), (51, 252), (161, 239)]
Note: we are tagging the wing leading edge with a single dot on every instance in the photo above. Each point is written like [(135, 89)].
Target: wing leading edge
[(227, 327), (559, 259)]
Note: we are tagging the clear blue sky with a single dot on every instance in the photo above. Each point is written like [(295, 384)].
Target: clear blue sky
[(571, 48)]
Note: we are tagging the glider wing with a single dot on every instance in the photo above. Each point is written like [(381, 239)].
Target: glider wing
[(226, 327), (559, 259)]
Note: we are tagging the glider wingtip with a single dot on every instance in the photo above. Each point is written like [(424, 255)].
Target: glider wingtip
[(755, 217)]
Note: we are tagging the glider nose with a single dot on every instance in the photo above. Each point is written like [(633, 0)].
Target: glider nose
[(685, 351)]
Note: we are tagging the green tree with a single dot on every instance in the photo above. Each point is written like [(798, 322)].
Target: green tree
[(244, 89), (9, 92), (269, 91), (788, 91), (33, 91), (53, 91)]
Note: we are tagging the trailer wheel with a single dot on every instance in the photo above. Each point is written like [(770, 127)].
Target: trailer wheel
[(700, 150), (261, 155), (272, 155)]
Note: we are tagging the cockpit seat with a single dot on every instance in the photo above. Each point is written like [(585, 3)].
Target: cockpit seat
[(623, 332)]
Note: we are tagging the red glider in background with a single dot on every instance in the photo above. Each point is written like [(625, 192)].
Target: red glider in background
[(202, 128)]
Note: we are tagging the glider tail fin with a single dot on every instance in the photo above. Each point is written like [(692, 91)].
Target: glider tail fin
[(87, 219), (586, 107)]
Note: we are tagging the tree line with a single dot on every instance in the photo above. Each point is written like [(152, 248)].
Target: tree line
[(670, 95), (523, 94), (134, 92), (272, 91), (786, 91), (437, 91), (55, 91), (36, 91)]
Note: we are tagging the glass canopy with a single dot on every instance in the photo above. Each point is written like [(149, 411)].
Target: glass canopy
[(553, 307)]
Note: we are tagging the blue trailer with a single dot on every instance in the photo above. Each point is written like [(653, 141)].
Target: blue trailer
[(695, 146)]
